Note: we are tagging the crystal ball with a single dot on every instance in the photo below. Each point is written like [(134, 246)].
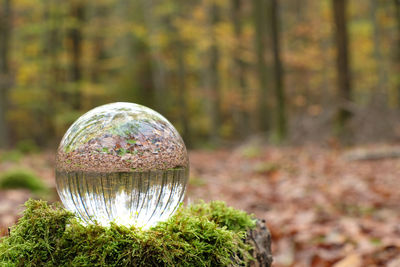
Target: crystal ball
[(122, 163)]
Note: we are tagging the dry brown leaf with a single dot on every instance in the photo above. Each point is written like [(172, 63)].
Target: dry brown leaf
[(352, 260)]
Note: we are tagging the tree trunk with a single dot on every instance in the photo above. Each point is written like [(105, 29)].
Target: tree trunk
[(158, 69), (397, 61), (240, 110), (101, 12), (213, 75), (259, 10), (182, 93), (260, 239), (5, 76), (343, 68), (75, 35), (380, 87), (52, 46), (280, 132)]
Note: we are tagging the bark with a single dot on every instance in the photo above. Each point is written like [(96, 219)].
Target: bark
[(281, 129), (343, 67), (260, 239), (259, 11), (241, 115), (77, 11), (5, 79)]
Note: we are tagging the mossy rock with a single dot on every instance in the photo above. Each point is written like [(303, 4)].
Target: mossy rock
[(198, 235)]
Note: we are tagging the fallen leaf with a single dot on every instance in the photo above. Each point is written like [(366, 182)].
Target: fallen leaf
[(352, 260)]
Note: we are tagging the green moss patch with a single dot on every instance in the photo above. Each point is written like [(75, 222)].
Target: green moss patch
[(11, 156), (198, 235), (23, 179), (27, 146)]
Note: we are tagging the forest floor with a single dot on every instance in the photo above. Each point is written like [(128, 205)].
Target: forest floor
[(322, 207)]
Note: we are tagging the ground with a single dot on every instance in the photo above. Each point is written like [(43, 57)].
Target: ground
[(322, 208)]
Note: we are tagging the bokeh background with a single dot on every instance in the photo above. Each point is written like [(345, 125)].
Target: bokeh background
[(290, 108)]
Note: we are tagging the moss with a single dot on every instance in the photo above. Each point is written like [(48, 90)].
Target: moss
[(22, 179), (251, 151), (266, 167), (11, 156), (27, 146), (197, 181), (199, 235)]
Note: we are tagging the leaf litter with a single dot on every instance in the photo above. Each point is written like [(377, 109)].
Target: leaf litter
[(321, 208)]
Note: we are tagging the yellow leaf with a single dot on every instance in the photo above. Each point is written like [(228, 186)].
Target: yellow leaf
[(352, 260)]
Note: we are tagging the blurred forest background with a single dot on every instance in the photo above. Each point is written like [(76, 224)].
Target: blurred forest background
[(219, 70), (290, 108)]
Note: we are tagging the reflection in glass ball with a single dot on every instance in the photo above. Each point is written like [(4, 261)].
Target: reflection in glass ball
[(122, 163)]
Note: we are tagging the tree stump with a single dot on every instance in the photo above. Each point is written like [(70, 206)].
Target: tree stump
[(260, 239), (50, 234)]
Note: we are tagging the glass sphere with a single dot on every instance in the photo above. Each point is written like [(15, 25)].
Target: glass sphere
[(122, 163)]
